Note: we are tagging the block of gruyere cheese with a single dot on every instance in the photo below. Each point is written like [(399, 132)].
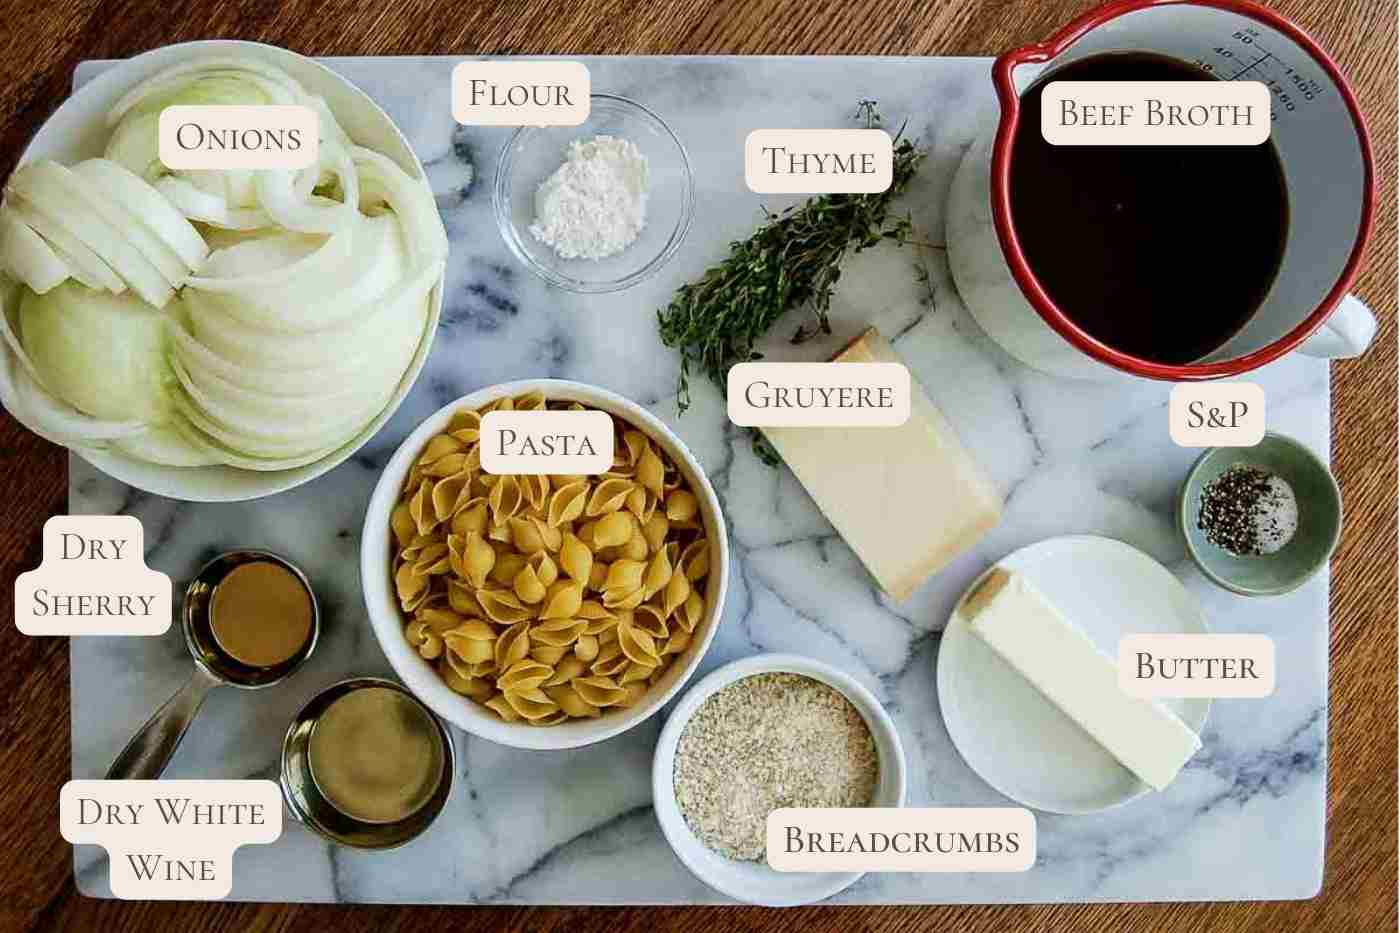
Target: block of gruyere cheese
[(907, 499), (1008, 613)]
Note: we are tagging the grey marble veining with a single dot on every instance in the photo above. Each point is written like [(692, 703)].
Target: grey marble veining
[(1244, 821)]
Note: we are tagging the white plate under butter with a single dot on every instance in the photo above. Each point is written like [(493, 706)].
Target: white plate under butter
[(1006, 730)]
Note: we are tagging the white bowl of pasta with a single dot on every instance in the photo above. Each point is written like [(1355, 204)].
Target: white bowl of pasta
[(544, 612)]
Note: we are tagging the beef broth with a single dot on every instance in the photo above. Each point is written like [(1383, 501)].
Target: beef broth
[(1162, 252)]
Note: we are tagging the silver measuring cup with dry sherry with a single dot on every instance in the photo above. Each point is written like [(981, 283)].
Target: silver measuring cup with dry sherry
[(250, 620)]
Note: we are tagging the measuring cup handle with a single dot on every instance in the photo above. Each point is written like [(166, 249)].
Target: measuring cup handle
[(1347, 333), (153, 745)]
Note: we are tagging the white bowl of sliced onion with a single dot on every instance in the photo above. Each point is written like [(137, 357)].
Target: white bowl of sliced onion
[(215, 335), (544, 612)]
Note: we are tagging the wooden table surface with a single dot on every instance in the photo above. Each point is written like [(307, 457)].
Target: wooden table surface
[(41, 43)]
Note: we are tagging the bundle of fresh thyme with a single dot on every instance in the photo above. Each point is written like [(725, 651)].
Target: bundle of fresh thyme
[(793, 259)]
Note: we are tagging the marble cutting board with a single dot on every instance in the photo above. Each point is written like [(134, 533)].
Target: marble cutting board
[(1244, 821)]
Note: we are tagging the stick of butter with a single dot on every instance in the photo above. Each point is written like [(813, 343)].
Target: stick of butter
[(1020, 624), (907, 499)]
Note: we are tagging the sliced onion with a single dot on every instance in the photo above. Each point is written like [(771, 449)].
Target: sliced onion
[(31, 404), (277, 85), (163, 445), (50, 184), (216, 450), (25, 255), (160, 256), (300, 281), (278, 197), (409, 198), (204, 207), (146, 206), (84, 265)]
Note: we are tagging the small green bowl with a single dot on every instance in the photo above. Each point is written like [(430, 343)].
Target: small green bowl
[(1319, 518)]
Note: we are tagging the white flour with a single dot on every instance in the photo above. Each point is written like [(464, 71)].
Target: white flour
[(595, 204)]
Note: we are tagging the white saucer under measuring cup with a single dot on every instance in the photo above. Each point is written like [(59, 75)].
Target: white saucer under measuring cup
[(1006, 730)]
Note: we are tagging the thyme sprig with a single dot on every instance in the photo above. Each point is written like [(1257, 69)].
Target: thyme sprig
[(792, 260)]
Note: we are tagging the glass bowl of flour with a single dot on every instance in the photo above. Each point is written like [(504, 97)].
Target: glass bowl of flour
[(596, 207)]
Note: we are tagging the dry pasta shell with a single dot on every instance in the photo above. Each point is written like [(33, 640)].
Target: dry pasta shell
[(575, 559), (439, 620), (677, 642), (676, 592), (505, 499), (638, 645), (548, 654), (502, 607), (636, 672), (471, 517), (525, 536), (641, 503), (451, 465), (439, 446), (409, 585), (449, 493), (634, 692), (613, 529), (527, 585), (566, 503), (545, 568), (621, 599), (681, 505), (636, 546), (470, 650), (558, 632), (624, 575), (478, 559), (550, 535), (553, 719), (591, 609), (585, 649), (525, 674), (563, 601), (566, 669), (695, 560), (533, 400), (512, 646), (648, 618), (570, 702), (585, 534), (465, 426), (610, 660), (499, 533), (599, 691), (402, 524), (651, 472), (433, 560), (531, 704), (462, 600), (597, 575), (635, 442), (607, 496), (420, 507), (475, 687), (657, 575), (500, 707), (692, 612), (508, 564), (536, 489), (655, 529)]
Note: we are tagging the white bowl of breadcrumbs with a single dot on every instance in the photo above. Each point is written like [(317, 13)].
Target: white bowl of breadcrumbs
[(761, 733)]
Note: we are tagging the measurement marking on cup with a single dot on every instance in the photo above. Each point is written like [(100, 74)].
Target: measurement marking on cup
[(1265, 57)]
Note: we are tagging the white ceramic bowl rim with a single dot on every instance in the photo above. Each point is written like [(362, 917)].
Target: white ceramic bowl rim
[(73, 131), (501, 196), (783, 889), (386, 619)]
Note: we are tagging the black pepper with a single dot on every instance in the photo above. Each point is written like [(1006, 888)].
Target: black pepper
[(1247, 511)]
